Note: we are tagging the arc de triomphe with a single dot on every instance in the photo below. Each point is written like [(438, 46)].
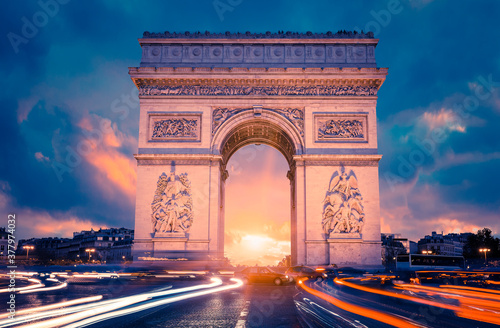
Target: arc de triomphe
[(311, 96)]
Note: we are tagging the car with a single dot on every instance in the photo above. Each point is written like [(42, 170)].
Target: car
[(261, 275), (328, 273), (301, 271)]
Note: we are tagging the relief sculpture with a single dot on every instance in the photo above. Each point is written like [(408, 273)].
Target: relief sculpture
[(172, 206), (175, 128), (342, 128), (274, 90), (343, 211), (294, 115), (220, 115)]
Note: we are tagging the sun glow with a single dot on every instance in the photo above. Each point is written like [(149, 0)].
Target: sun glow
[(257, 216)]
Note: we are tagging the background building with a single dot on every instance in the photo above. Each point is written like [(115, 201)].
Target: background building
[(4, 242), (451, 244), (103, 245), (393, 244)]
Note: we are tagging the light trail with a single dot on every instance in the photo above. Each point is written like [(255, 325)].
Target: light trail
[(153, 304), (44, 315), (396, 295), (473, 305), (360, 310), (93, 309), (54, 306), (44, 289), (38, 284)]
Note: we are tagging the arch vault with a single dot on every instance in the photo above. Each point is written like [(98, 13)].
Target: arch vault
[(311, 96)]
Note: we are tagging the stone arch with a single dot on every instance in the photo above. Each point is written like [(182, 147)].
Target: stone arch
[(266, 127), (329, 83)]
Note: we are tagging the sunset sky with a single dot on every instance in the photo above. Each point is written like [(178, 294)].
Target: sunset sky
[(68, 78)]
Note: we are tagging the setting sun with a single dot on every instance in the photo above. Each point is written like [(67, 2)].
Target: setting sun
[(257, 225)]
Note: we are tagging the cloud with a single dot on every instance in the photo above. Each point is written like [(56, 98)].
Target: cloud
[(41, 158), (42, 223), (417, 208), (444, 118), (115, 168)]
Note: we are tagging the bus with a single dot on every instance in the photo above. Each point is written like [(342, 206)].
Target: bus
[(415, 262)]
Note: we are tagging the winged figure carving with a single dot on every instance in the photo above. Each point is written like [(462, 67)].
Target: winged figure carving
[(172, 206), (343, 210)]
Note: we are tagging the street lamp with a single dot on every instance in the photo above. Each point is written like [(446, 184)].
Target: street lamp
[(427, 252), (485, 250), (90, 250), (27, 248)]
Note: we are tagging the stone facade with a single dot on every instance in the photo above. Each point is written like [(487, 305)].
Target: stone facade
[(311, 96)]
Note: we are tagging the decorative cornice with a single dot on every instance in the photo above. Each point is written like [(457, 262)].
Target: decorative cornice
[(341, 72), (343, 34), (193, 159), (337, 160)]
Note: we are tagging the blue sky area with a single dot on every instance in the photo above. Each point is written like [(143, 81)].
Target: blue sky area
[(438, 111)]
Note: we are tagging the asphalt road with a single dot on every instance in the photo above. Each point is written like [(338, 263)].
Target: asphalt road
[(255, 305), (214, 302)]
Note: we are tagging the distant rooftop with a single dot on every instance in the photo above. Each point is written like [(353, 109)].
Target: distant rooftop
[(267, 35)]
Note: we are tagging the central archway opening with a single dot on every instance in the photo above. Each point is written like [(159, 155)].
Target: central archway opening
[(271, 142), (257, 211)]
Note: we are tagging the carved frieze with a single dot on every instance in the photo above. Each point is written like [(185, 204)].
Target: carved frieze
[(271, 90), (172, 206), (341, 127), (343, 211), (174, 127), (294, 115)]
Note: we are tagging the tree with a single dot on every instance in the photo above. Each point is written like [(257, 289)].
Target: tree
[(482, 239)]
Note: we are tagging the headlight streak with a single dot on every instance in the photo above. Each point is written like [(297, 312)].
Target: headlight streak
[(39, 316), (54, 306), (152, 304), (44, 289), (89, 310), (38, 284), (359, 310)]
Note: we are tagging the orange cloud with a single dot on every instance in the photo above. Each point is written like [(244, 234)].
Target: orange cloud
[(116, 168), (85, 124), (43, 224)]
